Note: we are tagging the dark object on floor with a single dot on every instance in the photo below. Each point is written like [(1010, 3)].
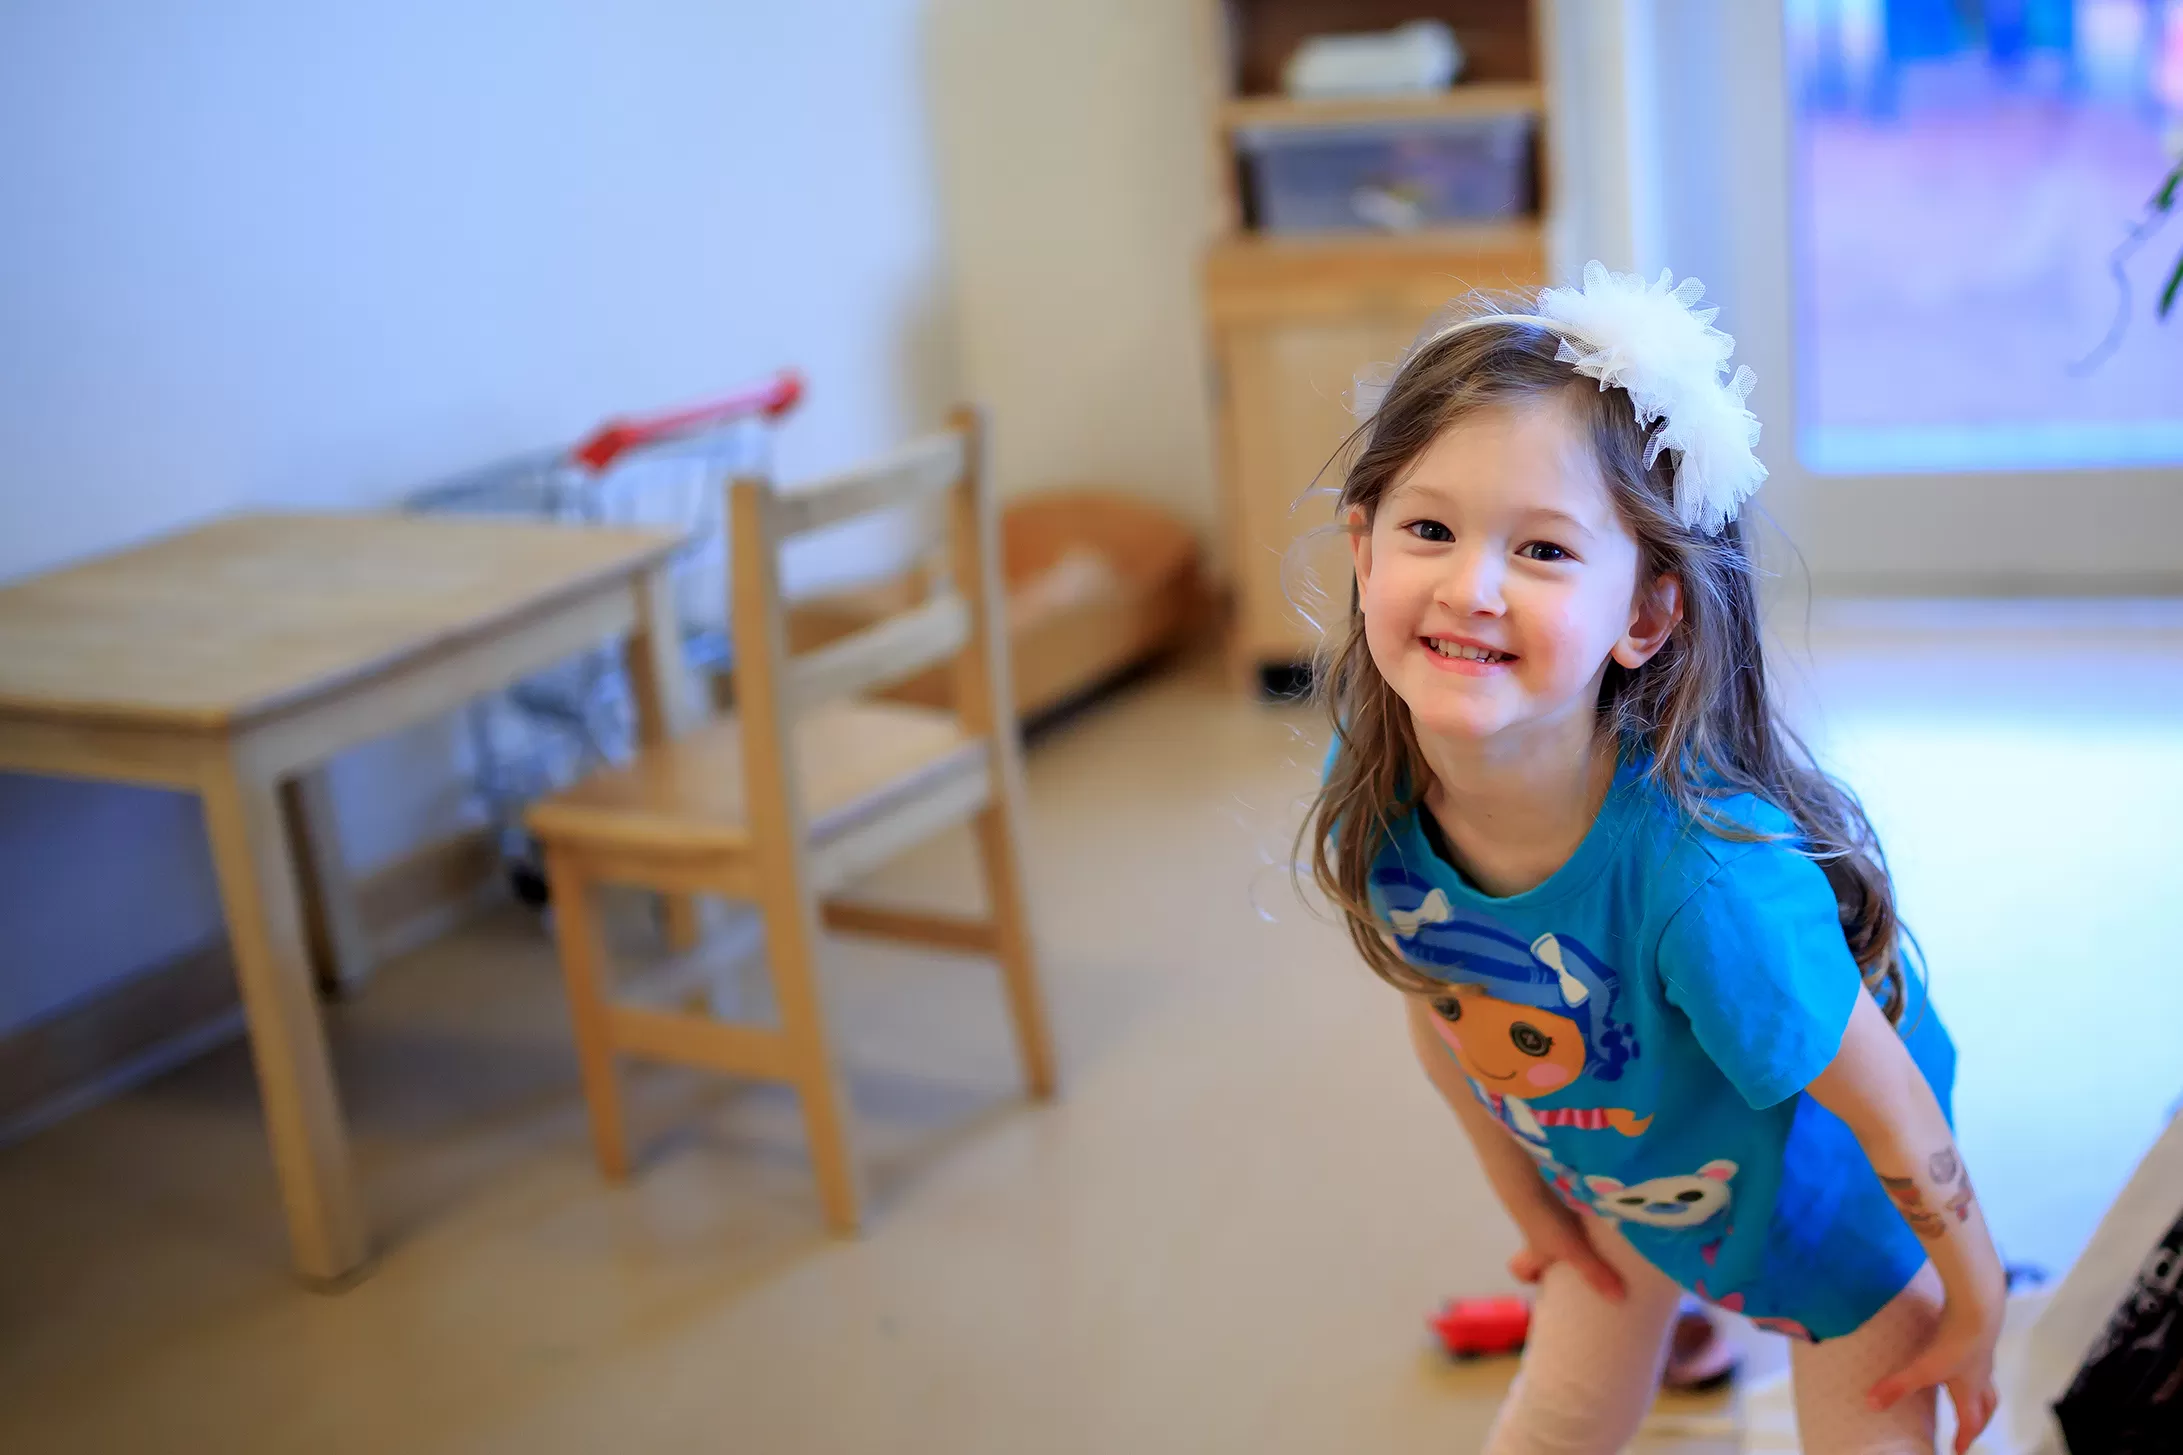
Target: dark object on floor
[(1700, 1358), (1480, 1328), (1285, 681), (2128, 1397), (528, 882)]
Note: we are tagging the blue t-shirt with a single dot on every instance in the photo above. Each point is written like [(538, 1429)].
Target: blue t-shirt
[(1657, 1008)]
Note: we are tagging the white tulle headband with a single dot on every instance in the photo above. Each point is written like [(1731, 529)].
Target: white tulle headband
[(1652, 342)]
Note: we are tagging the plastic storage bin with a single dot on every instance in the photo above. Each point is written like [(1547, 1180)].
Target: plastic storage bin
[(1395, 176)]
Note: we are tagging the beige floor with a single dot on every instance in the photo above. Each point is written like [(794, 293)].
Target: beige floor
[(1223, 1239)]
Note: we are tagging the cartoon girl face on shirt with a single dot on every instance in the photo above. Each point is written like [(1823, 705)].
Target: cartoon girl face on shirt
[(1548, 1010), (1517, 1050)]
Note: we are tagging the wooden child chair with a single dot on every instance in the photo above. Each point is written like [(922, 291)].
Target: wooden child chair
[(805, 786)]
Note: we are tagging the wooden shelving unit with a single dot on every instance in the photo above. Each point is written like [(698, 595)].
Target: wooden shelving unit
[(1480, 99), (1294, 318)]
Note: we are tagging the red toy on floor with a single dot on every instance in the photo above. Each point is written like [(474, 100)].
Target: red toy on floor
[(1478, 1328)]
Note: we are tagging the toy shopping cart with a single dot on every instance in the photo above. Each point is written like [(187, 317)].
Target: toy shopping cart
[(664, 470)]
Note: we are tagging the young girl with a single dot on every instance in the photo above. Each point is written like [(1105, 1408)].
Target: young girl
[(1650, 951)]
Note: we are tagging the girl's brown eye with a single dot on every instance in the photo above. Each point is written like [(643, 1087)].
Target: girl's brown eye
[(1448, 1008), (1530, 1039)]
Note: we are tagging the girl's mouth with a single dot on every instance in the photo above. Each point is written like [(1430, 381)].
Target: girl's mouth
[(1468, 658)]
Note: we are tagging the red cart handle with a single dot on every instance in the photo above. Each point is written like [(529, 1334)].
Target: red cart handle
[(774, 398)]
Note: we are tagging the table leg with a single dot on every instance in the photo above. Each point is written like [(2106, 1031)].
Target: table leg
[(326, 1227), (660, 685), (340, 946)]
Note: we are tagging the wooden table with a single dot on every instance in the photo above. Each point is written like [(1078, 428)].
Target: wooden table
[(234, 660)]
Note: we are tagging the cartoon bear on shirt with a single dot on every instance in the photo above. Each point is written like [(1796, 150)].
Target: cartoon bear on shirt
[(1687, 1201)]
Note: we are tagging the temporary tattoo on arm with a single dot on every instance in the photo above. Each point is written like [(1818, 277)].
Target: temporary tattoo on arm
[(1954, 1182), (1960, 1204), (1911, 1204), (1952, 1186)]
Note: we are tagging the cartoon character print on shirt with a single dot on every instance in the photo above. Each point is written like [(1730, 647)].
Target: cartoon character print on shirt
[(1667, 1202), (1680, 1203), (1673, 1203), (1522, 1020), (1564, 1182)]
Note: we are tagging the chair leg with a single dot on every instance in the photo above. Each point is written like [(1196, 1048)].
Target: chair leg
[(791, 960), (583, 967), (996, 830)]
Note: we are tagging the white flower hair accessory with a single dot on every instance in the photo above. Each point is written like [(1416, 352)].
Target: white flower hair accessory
[(1652, 342)]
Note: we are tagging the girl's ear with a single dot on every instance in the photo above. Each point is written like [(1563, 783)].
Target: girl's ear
[(1360, 543), (1653, 618)]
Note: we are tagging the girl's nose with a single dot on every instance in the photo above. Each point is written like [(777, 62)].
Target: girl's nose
[(1472, 584)]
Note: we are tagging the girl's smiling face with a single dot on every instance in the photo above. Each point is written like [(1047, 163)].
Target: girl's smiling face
[(1497, 579)]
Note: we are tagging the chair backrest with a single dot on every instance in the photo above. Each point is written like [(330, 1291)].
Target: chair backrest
[(958, 618)]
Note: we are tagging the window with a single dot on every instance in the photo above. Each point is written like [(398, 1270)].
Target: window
[(1964, 173)]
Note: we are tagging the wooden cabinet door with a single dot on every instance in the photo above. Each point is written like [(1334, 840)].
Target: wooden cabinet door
[(1287, 402)]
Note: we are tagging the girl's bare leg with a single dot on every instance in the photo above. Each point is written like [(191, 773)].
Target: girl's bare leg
[(1592, 1366), (1831, 1379)]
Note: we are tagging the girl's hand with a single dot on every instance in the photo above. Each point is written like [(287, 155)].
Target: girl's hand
[(1873, 1085), (1553, 1234), (1960, 1356)]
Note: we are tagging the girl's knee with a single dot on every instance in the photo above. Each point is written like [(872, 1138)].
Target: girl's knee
[(1565, 1416)]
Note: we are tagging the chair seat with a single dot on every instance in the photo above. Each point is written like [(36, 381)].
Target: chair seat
[(858, 760)]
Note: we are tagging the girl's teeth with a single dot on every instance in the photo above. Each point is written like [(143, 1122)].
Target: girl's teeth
[(1475, 654)]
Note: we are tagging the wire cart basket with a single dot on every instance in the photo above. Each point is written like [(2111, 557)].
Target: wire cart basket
[(664, 470)]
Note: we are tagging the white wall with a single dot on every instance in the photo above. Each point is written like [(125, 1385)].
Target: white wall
[(1076, 145), (313, 255)]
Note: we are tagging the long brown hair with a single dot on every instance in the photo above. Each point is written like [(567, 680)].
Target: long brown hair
[(1700, 707)]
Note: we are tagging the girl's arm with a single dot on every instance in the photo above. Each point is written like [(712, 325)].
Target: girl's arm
[(1874, 1086), (1551, 1231)]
